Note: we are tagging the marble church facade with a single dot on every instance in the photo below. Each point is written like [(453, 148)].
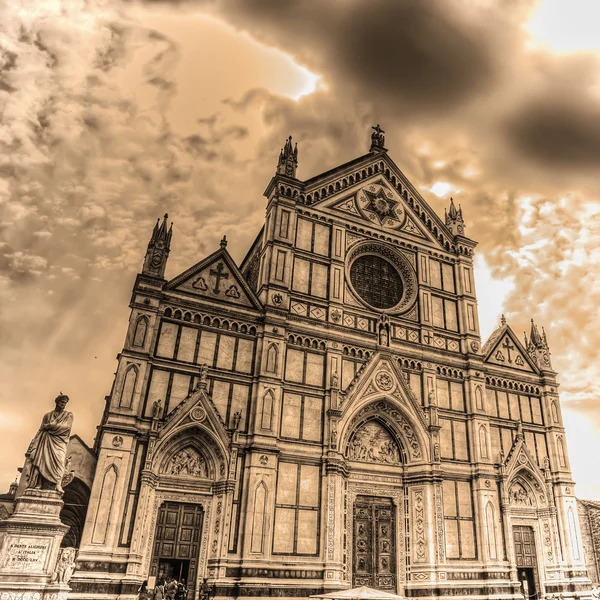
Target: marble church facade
[(324, 415)]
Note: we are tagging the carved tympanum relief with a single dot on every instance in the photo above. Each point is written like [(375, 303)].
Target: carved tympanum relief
[(188, 462), (519, 496), (373, 443)]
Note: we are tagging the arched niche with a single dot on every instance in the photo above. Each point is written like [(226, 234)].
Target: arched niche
[(393, 420), (525, 490), (141, 328), (193, 454)]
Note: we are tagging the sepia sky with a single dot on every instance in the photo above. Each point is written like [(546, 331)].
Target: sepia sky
[(113, 113)]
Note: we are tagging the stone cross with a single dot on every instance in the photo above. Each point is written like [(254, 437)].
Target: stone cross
[(218, 275), (507, 346)]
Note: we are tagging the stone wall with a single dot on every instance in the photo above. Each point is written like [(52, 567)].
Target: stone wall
[(589, 518)]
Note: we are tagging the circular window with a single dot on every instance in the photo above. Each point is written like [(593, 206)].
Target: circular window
[(376, 281), (381, 277)]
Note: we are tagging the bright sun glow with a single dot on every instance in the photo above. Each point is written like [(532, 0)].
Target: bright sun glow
[(567, 26), (441, 188)]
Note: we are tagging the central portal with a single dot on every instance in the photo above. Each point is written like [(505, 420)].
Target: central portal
[(374, 555), (177, 543)]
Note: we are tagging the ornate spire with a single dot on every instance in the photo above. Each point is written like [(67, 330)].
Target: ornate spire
[(537, 347), (288, 159), (377, 139), (454, 219), (158, 250), (534, 336)]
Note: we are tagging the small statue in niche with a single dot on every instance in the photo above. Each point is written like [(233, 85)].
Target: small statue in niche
[(335, 381), (157, 409), (333, 437), (383, 328), (237, 418), (432, 398), (436, 452), (203, 373)]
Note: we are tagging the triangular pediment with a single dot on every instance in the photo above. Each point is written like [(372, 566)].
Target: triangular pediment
[(372, 189), (196, 409), (381, 375), (521, 465), (378, 204), (505, 350), (216, 277)]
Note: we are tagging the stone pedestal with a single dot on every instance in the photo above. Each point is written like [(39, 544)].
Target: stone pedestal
[(29, 547)]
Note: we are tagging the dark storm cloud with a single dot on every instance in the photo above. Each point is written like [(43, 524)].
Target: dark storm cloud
[(558, 132), (423, 55)]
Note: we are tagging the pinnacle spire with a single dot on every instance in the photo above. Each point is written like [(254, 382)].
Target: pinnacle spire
[(288, 159), (537, 347), (534, 335), (158, 248), (454, 219)]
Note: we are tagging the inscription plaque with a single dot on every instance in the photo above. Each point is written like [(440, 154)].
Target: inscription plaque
[(24, 554)]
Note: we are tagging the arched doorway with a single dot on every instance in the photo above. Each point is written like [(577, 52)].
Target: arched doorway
[(76, 500), (378, 526)]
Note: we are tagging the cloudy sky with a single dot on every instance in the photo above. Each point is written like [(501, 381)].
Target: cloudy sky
[(112, 113)]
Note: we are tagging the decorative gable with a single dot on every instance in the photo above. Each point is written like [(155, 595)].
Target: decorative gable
[(216, 277), (197, 408), (373, 189), (381, 206), (525, 481), (381, 375), (506, 351)]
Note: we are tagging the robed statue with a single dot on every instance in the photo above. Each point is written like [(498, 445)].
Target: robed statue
[(48, 449)]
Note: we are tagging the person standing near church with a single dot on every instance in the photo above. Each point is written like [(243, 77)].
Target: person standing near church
[(171, 589), (159, 590), (48, 450)]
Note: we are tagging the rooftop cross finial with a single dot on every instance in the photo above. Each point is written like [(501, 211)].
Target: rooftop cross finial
[(502, 320), (377, 138), (223, 242)]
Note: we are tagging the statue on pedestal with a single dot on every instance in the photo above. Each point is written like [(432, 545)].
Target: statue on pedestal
[(48, 449)]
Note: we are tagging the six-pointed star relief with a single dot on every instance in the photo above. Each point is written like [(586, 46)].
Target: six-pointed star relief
[(380, 205)]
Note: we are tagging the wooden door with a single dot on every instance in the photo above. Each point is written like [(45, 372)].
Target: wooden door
[(526, 559), (374, 552), (178, 535)]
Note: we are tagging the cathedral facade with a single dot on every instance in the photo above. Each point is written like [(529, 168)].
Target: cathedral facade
[(325, 416)]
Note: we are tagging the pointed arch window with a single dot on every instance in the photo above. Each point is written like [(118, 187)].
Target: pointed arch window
[(141, 327), (562, 455), (259, 519), (483, 447), (554, 409), (272, 358), (490, 533), (574, 533), (478, 398), (267, 410), (105, 504), (128, 388)]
